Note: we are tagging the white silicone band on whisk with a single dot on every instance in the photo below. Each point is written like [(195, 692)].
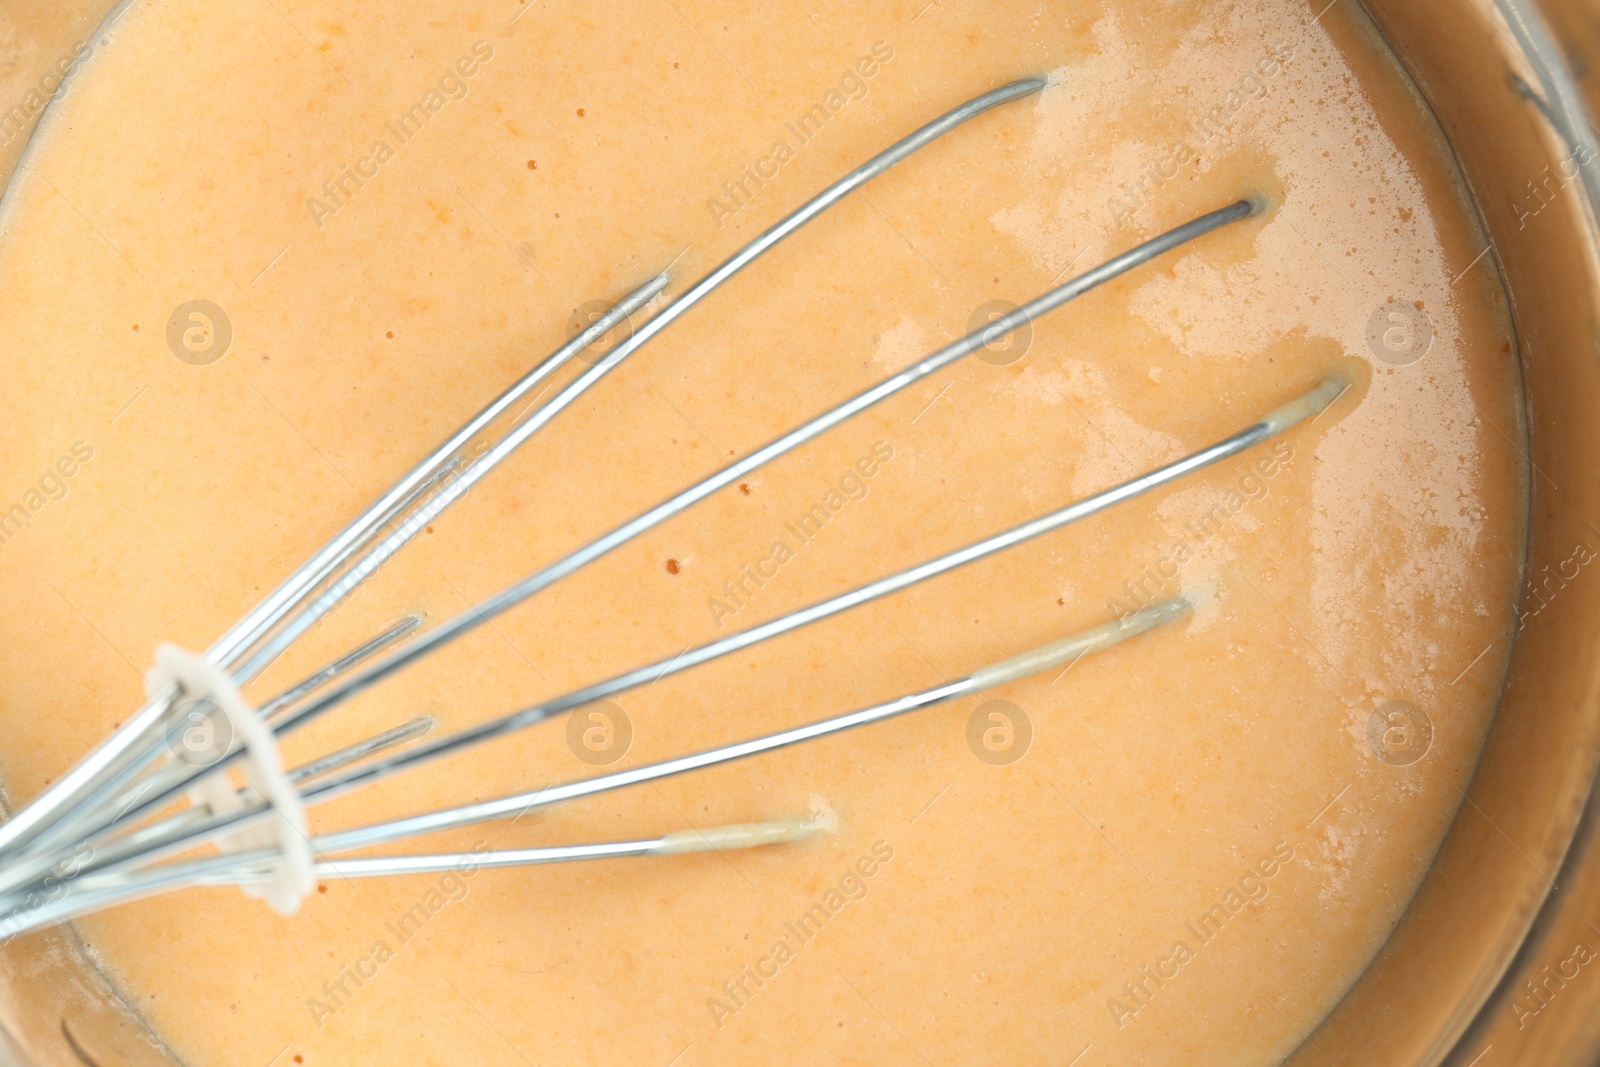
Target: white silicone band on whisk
[(201, 679)]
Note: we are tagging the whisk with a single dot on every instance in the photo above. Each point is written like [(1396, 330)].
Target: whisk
[(111, 829)]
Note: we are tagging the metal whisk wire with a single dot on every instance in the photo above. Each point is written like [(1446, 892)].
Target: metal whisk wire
[(107, 768), (86, 843)]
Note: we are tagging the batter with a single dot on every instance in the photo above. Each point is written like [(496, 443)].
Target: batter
[(1181, 851)]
